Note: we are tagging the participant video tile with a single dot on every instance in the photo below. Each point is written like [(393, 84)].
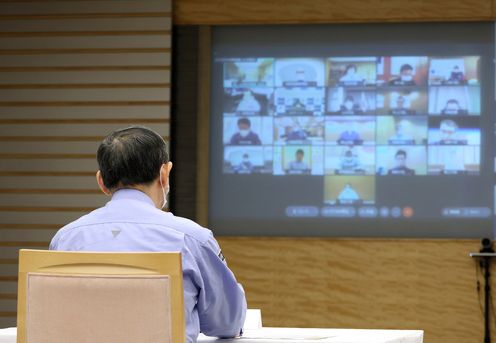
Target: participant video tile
[(461, 70), (249, 72), (349, 101), (350, 130), (406, 130), (248, 131), (349, 190), (299, 130), (248, 101), (298, 160), (454, 160), (402, 160), (248, 159), (454, 100), (351, 71), (402, 71), (299, 72), (349, 160)]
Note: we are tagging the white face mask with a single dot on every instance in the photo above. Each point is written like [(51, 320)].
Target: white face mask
[(244, 133), (164, 191), (406, 78)]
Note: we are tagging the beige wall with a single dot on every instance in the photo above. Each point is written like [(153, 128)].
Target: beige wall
[(70, 72)]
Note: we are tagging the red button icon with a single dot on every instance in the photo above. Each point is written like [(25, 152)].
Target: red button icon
[(407, 212)]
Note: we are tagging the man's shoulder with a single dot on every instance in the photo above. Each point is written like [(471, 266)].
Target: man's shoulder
[(81, 222), (189, 228)]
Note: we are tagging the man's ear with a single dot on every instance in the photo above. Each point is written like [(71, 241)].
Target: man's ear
[(165, 172), (99, 180)]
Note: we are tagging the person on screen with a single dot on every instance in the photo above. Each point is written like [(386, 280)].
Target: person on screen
[(350, 75), (349, 162), (456, 76), (453, 164), (350, 136), (248, 103), (245, 167), (402, 133), (400, 165), (348, 194), (294, 134), (400, 107), (134, 169), (405, 78), (349, 106), (245, 136), (452, 107), (298, 165), (448, 133)]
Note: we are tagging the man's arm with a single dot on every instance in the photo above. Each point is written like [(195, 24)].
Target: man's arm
[(221, 301)]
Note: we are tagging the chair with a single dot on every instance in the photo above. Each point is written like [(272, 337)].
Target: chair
[(83, 297)]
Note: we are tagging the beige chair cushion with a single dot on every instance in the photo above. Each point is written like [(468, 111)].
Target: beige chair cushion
[(98, 309)]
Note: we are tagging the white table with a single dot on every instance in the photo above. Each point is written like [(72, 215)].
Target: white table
[(8, 335), (277, 335)]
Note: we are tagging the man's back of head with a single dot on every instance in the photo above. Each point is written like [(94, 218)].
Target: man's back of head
[(134, 157)]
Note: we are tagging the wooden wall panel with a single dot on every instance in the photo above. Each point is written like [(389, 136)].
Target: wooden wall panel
[(55, 183), (70, 72), (62, 129), (225, 12), (16, 97), (102, 58), (48, 165), (158, 40), (147, 112), (84, 77), (22, 217), (360, 283), (84, 26)]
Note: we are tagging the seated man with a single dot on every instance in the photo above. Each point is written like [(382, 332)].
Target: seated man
[(245, 167), (348, 195), (456, 76), (134, 170), (245, 136), (405, 77), (351, 77), (298, 166), (400, 165), (402, 134), (401, 108), (453, 107), (349, 162), (294, 134), (449, 135), (350, 136)]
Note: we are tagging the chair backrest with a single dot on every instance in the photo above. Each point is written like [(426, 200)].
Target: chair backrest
[(100, 297)]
